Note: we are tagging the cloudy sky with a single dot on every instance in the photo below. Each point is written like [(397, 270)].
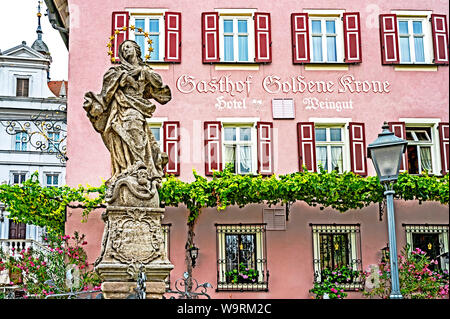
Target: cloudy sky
[(18, 22)]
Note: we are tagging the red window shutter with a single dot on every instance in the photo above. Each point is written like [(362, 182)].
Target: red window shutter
[(265, 149), (440, 38), (171, 133), (389, 39), (358, 148), (173, 36), (444, 142), (306, 146), (210, 37), (300, 38), (213, 147), (263, 38), (399, 130), (120, 19), (352, 37)]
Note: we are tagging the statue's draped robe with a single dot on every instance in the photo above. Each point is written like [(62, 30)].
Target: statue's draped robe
[(119, 114)]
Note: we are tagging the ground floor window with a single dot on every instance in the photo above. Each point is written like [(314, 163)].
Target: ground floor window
[(337, 248), (432, 239), (241, 262)]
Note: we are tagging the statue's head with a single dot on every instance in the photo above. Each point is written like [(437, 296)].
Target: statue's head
[(129, 49)]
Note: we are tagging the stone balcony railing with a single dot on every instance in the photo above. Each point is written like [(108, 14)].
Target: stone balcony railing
[(13, 247)]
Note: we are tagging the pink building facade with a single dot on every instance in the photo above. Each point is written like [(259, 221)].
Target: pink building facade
[(271, 87)]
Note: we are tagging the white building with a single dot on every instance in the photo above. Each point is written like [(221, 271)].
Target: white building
[(32, 127)]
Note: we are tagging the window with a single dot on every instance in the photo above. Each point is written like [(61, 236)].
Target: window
[(329, 148), (237, 39), (414, 37), (239, 148), (52, 180), (21, 141), (18, 177), (326, 39), (22, 87), (419, 150), (154, 26), (236, 36), (433, 239), (157, 134), (53, 142), (241, 257), (336, 246)]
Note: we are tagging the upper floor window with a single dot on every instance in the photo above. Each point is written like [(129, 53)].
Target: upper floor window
[(154, 26), (237, 39), (22, 87), (21, 141), (236, 35), (333, 144), (53, 141), (427, 148), (326, 36), (330, 148), (243, 143), (239, 148), (419, 149), (158, 26), (413, 37), (326, 39)]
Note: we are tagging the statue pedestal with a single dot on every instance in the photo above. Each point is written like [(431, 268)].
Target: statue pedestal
[(132, 239)]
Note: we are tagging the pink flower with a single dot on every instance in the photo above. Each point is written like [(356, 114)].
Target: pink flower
[(333, 290)]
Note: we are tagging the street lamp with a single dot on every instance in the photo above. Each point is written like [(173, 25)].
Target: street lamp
[(193, 254), (386, 154)]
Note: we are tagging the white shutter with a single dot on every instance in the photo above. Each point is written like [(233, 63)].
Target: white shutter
[(283, 109)]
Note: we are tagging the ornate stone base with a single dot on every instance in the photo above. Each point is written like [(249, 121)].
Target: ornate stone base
[(121, 290), (132, 239)]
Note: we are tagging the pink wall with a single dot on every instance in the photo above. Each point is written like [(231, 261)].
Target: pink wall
[(412, 94)]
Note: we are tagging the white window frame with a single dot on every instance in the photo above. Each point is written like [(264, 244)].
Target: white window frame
[(235, 15), (14, 137), (253, 144), (323, 15), (260, 251), (433, 124), (16, 172), (442, 230), (424, 17), (158, 122), (52, 144), (46, 174), (148, 14), (351, 230)]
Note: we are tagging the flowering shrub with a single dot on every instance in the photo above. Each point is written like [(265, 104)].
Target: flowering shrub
[(417, 278), (63, 268), (244, 275), (332, 281)]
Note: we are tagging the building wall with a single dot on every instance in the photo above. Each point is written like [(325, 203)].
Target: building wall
[(417, 93)]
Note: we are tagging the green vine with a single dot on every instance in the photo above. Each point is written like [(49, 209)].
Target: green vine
[(45, 206)]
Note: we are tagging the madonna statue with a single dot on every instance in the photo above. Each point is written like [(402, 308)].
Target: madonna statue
[(120, 111)]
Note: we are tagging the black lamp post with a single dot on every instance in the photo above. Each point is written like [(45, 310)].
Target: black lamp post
[(386, 154), (193, 254)]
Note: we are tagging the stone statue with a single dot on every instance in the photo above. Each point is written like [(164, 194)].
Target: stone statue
[(119, 114), (133, 237)]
